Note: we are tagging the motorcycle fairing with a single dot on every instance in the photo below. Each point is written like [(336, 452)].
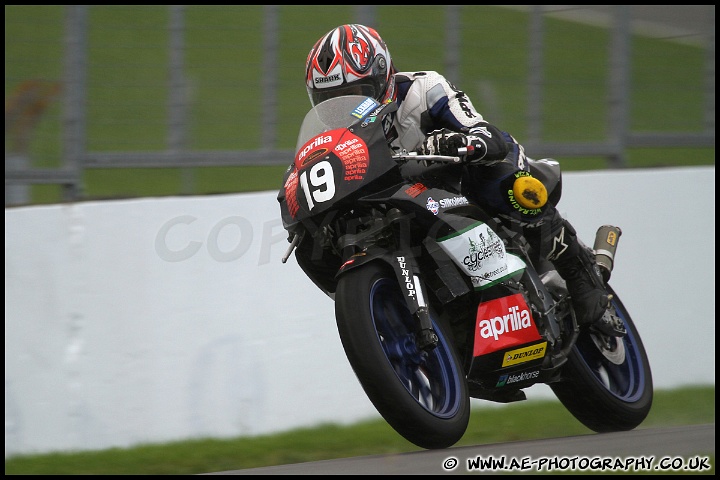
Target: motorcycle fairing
[(507, 342), (492, 381), (334, 165)]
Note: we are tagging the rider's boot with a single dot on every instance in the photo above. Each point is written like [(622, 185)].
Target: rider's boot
[(584, 283), (582, 276)]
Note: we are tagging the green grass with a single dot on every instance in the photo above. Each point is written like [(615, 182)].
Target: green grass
[(127, 95), (532, 419)]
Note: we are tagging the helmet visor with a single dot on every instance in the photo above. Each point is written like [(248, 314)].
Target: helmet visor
[(364, 89)]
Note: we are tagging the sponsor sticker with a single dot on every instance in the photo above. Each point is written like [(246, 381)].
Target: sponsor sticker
[(409, 280), (329, 80), (481, 254), (291, 186), (511, 378), (611, 238), (364, 108), (502, 323), (353, 153), (525, 354), (432, 206), (453, 202), (316, 147), (415, 190)]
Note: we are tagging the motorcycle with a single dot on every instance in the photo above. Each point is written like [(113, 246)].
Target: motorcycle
[(436, 300)]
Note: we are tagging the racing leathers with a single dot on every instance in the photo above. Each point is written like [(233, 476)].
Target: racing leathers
[(430, 108)]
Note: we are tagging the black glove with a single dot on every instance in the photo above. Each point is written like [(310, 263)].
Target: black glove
[(447, 142)]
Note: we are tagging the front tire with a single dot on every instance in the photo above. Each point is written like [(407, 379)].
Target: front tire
[(422, 395), (607, 385)]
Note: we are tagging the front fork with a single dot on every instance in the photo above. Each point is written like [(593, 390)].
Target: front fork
[(371, 244), (408, 275)]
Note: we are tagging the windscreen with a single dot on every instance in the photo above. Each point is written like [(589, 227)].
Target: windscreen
[(338, 112)]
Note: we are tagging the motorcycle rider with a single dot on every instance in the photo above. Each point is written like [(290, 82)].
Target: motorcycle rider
[(435, 117)]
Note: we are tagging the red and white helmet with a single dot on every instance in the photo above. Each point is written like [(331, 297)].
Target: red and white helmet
[(349, 60)]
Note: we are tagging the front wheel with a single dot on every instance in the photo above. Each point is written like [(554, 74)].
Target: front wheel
[(607, 383), (422, 395)]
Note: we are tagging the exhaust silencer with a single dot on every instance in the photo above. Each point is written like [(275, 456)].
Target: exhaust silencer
[(606, 240)]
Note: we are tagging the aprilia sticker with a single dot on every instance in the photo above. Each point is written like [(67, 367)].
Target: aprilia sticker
[(291, 185), (316, 147), (502, 323), (353, 153)]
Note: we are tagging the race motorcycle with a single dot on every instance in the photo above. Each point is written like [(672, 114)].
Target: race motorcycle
[(437, 301)]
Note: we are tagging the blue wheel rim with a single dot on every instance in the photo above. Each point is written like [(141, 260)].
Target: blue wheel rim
[(431, 378), (627, 380)]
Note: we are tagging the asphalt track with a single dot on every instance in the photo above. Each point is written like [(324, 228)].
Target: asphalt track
[(656, 447), (691, 22)]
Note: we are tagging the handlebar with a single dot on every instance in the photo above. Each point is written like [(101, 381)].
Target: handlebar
[(403, 157)]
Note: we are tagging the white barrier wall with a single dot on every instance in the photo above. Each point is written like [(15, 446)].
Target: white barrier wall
[(144, 321)]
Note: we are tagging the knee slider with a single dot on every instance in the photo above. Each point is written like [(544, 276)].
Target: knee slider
[(529, 192)]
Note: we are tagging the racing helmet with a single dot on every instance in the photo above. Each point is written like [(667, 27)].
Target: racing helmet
[(351, 59)]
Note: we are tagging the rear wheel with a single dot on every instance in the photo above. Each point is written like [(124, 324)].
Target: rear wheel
[(422, 395), (607, 383)]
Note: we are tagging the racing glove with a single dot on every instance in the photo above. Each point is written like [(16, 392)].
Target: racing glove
[(447, 142)]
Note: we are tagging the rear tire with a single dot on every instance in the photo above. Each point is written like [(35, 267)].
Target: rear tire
[(422, 395), (608, 388)]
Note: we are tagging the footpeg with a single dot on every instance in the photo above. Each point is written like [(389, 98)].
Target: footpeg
[(610, 325)]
